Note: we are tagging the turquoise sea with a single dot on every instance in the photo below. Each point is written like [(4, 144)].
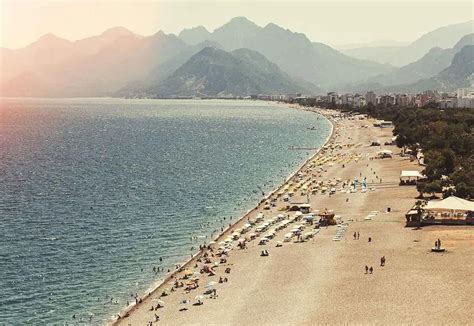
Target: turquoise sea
[(94, 191)]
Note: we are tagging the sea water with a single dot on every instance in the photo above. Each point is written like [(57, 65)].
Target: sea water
[(94, 191)]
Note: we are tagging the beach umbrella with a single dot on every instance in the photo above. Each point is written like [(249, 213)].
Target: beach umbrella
[(211, 284), (195, 276), (159, 301)]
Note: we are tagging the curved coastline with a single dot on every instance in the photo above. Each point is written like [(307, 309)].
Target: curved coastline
[(161, 284)]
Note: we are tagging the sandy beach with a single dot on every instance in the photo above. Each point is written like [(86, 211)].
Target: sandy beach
[(323, 281)]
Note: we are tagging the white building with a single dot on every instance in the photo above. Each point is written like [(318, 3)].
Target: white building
[(370, 97), (465, 97)]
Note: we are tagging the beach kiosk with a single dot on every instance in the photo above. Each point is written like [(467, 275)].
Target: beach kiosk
[(408, 177), (326, 218)]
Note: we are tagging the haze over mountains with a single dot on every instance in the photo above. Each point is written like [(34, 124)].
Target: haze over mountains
[(443, 37), (214, 72), (432, 63), (202, 63), (458, 74)]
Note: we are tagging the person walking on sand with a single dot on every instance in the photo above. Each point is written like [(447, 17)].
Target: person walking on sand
[(355, 235), (366, 269), (358, 235), (371, 269), (382, 261)]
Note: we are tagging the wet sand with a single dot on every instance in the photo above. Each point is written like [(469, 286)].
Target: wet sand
[(322, 281)]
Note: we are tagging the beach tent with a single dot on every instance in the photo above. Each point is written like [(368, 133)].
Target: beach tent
[(452, 203)]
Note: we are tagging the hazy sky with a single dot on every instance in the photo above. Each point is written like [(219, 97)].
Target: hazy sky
[(330, 22)]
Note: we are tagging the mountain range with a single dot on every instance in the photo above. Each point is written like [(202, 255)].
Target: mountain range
[(443, 37), (432, 63), (293, 52), (238, 58), (458, 74), (215, 72)]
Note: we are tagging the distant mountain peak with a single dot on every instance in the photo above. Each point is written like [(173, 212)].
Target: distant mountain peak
[(160, 35), (195, 35), (117, 31), (215, 72), (435, 49), (49, 41), (241, 20), (238, 23), (272, 26), (199, 28), (50, 37), (465, 40)]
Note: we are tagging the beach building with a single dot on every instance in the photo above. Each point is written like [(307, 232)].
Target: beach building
[(408, 177), (449, 211)]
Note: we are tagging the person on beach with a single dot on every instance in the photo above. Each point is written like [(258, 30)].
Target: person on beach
[(358, 235), (355, 235), (370, 239), (382, 261), (366, 269), (371, 269)]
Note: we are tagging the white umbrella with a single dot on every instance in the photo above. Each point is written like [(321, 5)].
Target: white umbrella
[(159, 301), (211, 284)]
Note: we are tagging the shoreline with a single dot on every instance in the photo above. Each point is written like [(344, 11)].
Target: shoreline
[(171, 275), (273, 282)]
